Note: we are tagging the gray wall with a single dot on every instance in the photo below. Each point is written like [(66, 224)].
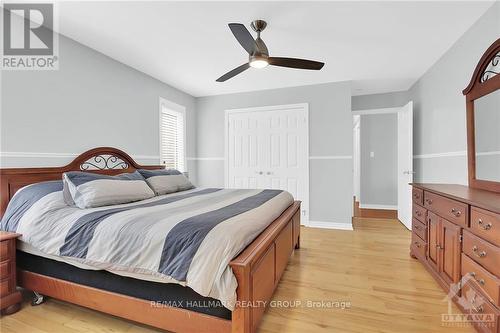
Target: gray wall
[(330, 131), (439, 106), (379, 134), (439, 129), (379, 101), (92, 100)]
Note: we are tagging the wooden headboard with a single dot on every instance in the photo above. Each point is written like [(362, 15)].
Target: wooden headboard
[(103, 160)]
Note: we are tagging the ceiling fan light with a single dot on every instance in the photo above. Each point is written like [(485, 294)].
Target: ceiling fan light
[(259, 63)]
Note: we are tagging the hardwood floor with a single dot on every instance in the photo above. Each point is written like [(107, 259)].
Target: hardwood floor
[(370, 268)]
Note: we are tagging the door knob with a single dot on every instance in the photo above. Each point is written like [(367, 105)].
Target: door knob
[(259, 172), (269, 173)]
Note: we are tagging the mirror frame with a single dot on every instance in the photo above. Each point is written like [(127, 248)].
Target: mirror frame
[(479, 86)]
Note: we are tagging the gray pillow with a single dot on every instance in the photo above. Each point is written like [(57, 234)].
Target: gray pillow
[(164, 181), (94, 190)]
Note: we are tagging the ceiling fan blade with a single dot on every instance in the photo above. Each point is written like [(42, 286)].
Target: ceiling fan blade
[(244, 37), (234, 72), (295, 63)]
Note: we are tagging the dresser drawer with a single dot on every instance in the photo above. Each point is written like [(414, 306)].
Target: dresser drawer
[(419, 246), (484, 280), (482, 252), (4, 250), (419, 212), (5, 287), (485, 314), (417, 196), (485, 224), (454, 211), (420, 229), (5, 269)]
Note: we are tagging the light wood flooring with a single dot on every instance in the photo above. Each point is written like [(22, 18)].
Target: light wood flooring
[(370, 268)]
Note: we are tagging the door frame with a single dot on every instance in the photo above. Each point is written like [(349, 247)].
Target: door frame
[(298, 106), (395, 110)]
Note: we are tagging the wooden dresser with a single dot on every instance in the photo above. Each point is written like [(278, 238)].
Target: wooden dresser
[(10, 298), (456, 235)]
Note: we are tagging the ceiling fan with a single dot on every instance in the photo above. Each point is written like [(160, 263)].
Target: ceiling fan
[(258, 53)]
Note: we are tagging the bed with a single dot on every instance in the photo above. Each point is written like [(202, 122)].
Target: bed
[(249, 273)]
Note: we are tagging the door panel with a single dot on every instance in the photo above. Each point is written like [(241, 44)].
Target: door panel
[(433, 240), (405, 163), (268, 148), (450, 252)]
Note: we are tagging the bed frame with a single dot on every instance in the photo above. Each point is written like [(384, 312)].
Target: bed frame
[(258, 268)]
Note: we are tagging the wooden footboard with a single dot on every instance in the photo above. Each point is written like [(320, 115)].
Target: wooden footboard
[(259, 267)]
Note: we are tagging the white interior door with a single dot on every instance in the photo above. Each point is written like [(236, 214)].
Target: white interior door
[(268, 148), (356, 155), (405, 163)]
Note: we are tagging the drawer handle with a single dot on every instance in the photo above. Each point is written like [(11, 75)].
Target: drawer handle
[(455, 212), (416, 195), (417, 244), (429, 201), (480, 254), (484, 226), (480, 281), (418, 213), (439, 247), (417, 227)]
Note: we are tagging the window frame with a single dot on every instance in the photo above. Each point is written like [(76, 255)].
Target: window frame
[(174, 107)]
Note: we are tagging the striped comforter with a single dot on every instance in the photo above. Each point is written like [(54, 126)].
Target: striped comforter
[(187, 237)]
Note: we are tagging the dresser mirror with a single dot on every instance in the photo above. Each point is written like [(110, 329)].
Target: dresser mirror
[(483, 121), (487, 136)]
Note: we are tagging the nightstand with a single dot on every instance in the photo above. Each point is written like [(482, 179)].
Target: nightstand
[(10, 298)]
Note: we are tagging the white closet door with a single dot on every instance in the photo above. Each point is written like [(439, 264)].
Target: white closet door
[(268, 148)]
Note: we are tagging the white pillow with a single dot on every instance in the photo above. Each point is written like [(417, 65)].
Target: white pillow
[(94, 190), (164, 181)]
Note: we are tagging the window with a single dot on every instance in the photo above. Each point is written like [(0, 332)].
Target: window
[(172, 134)]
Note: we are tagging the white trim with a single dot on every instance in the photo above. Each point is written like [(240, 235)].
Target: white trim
[(377, 111), (25, 154), (326, 157), (331, 157), (488, 153), (383, 207), (205, 158), (177, 108), (447, 154), (455, 153), (298, 106), (331, 225)]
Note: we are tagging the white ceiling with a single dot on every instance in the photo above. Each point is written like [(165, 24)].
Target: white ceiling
[(380, 46)]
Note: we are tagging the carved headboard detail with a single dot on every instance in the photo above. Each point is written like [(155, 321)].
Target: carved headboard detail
[(103, 160)]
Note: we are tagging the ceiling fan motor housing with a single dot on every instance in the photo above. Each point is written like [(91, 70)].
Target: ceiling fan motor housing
[(262, 51)]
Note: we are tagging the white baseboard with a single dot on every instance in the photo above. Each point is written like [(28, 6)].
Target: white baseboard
[(383, 207), (331, 225)]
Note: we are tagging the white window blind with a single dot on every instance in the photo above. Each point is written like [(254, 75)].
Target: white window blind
[(172, 138)]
